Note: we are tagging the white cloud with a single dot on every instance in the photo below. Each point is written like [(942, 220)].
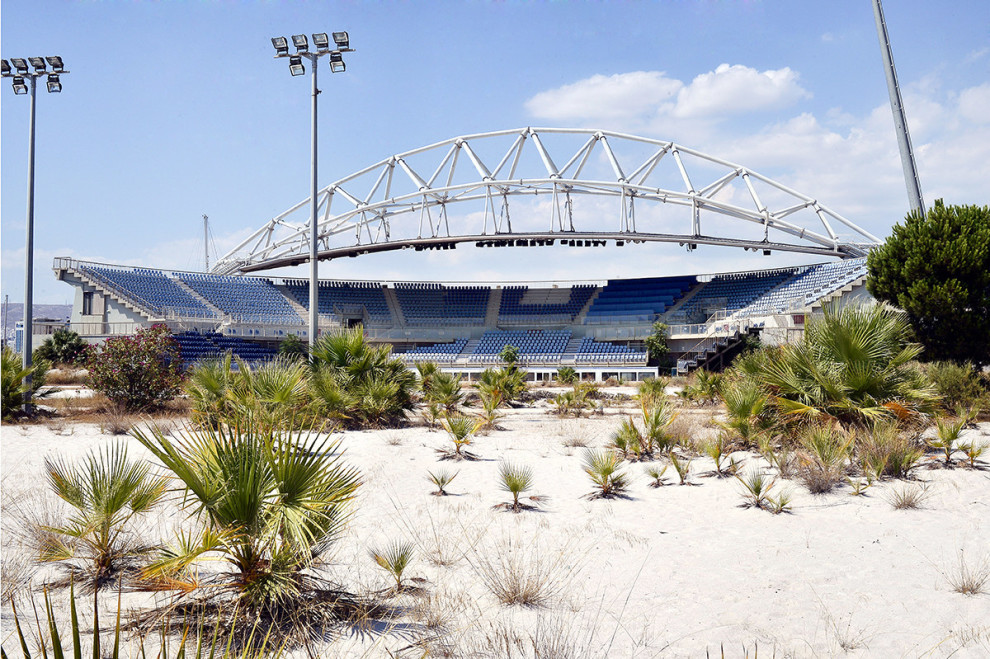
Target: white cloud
[(606, 98), (738, 89), (974, 104)]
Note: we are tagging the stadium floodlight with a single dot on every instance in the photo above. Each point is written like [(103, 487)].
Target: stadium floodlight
[(296, 66), (281, 46), (20, 82)]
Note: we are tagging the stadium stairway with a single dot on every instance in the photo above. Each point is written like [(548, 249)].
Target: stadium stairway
[(206, 303), (494, 304), (580, 316), (291, 299), (392, 300)]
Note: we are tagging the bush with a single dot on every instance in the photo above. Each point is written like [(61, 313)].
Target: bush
[(293, 347), (957, 384), (62, 347), (139, 372), (15, 389), (566, 375)]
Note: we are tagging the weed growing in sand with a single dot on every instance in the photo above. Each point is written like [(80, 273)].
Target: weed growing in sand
[(115, 420), (681, 465), (823, 459), (656, 474), (886, 451), (718, 450), (605, 470), (756, 489), (394, 559), (461, 429), (515, 480), (970, 579), (107, 492), (441, 478), (860, 485), (908, 497), (491, 401)]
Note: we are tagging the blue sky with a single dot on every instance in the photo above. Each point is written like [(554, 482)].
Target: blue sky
[(176, 109)]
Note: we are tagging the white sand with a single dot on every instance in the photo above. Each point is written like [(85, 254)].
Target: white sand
[(673, 571)]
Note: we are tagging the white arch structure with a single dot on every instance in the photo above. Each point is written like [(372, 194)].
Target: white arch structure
[(459, 191)]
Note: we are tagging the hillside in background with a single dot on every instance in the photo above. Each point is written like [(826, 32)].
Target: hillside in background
[(14, 311)]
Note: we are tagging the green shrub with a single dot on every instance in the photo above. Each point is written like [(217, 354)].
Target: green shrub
[(139, 372), (14, 388), (62, 347), (958, 384), (566, 375)]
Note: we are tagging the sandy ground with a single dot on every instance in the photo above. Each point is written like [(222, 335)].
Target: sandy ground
[(674, 571)]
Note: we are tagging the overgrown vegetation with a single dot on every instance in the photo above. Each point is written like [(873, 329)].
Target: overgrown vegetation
[(140, 372), (63, 347), (14, 382)]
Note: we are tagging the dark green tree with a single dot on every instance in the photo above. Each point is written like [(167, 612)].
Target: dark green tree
[(293, 347), (656, 344), (62, 347), (937, 269), (509, 355)]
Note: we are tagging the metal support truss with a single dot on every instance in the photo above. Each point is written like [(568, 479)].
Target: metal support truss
[(460, 190)]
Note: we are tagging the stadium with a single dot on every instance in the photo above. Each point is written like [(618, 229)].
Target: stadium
[(566, 188)]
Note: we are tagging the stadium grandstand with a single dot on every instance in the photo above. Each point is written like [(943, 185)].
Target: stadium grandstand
[(598, 328), (459, 191)]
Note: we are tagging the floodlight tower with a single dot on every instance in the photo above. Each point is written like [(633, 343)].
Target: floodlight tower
[(911, 178), (25, 80), (297, 68)]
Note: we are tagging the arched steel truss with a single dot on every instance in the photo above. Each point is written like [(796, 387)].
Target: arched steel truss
[(403, 201)]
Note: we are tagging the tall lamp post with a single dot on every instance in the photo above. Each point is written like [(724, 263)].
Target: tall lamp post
[(297, 68), (25, 80)]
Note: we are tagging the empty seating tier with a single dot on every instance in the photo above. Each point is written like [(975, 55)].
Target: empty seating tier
[(533, 345), (524, 304), (431, 304), (439, 352), (602, 352), (150, 289), (637, 300), (247, 299), (730, 293), (808, 286), (344, 299), (195, 347)]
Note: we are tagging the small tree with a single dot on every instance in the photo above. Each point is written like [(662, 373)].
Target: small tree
[(62, 347), (936, 268), (293, 347), (509, 355), (656, 344), (138, 372)]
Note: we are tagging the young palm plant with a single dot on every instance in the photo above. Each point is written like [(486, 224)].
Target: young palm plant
[(756, 489), (461, 429), (681, 465), (13, 386), (652, 389), (605, 470), (441, 479), (946, 437), (658, 415), (268, 503), (656, 473), (394, 559), (718, 449), (107, 492), (445, 391), (208, 387), (515, 480), (491, 401)]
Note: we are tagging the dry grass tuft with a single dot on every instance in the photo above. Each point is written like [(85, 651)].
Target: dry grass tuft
[(524, 572), (908, 497), (115, 421), (970, 579)]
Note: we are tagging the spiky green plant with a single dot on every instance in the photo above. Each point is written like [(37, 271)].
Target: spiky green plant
[(658, 415), (515, 480), (208, 386), (973, 450), (566, 375), (605, 469), (853, 364), (441, 479), (107, 492), (705, 387), (15, 389), (627, 439), (491, 401), (652, 389), (656, 472), (946, 436), (267, 502), (823, 461), (571, 402), (394, 558), (445, 390), (377, 389), (508, 383), (461, 430), (681, 465), (425, 371), (746, 406), (756, 488), (718, 449)]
